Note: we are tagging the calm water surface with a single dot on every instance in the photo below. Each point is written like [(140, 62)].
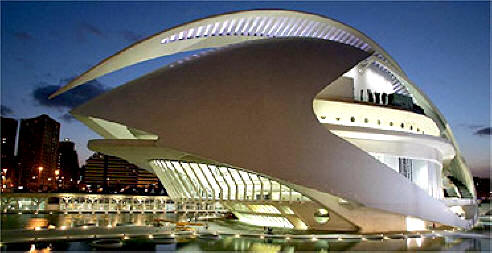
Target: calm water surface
[(13, 222)]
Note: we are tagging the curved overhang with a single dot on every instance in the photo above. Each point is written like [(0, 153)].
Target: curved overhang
[(232, 28)]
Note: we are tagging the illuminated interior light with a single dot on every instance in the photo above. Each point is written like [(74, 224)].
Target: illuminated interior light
[(151, 237)]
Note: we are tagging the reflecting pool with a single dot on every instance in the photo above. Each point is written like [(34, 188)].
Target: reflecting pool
[(246, 240)]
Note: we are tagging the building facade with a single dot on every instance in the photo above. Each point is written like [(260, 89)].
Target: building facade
[(37, 153), (68, 165), (8, 161), (291, 120), (103, 173)]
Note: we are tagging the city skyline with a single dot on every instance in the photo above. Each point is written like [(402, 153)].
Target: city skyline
[(36, 68)]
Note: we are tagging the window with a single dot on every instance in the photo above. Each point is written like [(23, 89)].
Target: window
[(321, 216), (366, 120), (323, 117), (402, 125), (379, 122), (391, 123), (352, 119)]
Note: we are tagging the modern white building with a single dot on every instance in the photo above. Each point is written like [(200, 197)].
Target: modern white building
[(290, 120)]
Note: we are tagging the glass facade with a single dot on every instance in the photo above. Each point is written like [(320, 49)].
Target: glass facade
[(425, 174), (188, 181)]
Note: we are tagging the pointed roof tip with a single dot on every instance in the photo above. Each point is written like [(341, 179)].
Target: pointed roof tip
[(58, 92)]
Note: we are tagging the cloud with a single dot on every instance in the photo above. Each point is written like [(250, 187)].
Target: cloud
[(69, 99), (131, 36), (25, 36), (471, 126), (483, 132), (67, 117), (5, 110)]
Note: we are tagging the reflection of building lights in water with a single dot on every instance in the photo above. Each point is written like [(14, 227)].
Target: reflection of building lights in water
[(37, 222), (263, 247), (414, 242)]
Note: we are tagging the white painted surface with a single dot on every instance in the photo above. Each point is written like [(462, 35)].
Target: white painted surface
[(264, 122)]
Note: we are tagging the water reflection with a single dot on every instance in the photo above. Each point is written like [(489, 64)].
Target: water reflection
[(31, 221), (222, 243), (275, 245)]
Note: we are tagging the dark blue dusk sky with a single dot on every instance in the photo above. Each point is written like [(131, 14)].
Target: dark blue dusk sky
[(444, 47)]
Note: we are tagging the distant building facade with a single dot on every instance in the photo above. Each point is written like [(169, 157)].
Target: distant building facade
[(8, 135), (483, 188), (68, 165), (37, 152), (110, 173)]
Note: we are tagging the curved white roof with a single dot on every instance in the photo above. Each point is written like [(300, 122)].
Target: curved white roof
[(231, 28)]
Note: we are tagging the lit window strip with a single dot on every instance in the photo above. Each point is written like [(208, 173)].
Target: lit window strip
[(188, 179), (172, 182), (226, 181), (177, 177), (182, 174), (234, 181), (209, 175), (199, 174), (202, 191), (218, 174), (169, 188), (172, 187), (306, 30)]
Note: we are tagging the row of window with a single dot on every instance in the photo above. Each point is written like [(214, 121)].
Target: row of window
[(391, 124), (194, 181), (270, 27)]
